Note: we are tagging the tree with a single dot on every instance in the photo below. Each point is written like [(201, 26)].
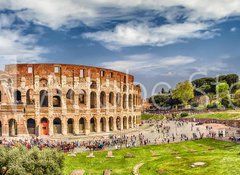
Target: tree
[(184, 92), (18, 161), (222, 89)]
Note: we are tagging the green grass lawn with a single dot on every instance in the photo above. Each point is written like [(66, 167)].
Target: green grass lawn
[(220, 158), (152, 116), (218, 115)]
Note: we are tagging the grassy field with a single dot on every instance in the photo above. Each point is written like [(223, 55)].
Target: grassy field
[(218, 115), (151, 116), (220, 158)]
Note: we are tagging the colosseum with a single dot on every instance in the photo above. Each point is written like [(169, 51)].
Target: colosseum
[(50, 99)]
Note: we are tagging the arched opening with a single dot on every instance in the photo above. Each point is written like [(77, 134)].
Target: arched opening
[(124, 101), (130, 101), (57, 126), (102, 99), (111, 122), (111, 98), (43, 82), (82, 97), (82, 125), (70, 97), (130, 122), (43, 98), (118, 123), (118, 100), (103, 124), (93, 125), (12, 127), (93, 85), (31, 126), (17, 97), (125, 122), (57, 98), (0, 128), (70, 126), (30, 97), (93, 100), (44, 126)]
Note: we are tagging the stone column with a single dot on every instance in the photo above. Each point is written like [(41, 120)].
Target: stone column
[(64, 125), (50, 125), (76, 126), (114, 124), (87, 126), (107, 124), (98, 125), (5, 127)]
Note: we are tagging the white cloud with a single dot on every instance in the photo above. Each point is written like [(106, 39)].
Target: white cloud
[(60, 13), (233, 29), (15, 46), (131, 34), (147, 63)]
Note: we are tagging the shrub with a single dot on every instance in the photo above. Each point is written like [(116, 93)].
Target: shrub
[(18, 160), (212, 106)]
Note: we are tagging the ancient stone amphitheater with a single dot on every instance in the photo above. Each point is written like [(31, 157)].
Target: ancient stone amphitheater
[(51, 99)]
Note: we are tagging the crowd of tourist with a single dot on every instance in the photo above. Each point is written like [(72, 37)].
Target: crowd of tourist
[(165, 131)]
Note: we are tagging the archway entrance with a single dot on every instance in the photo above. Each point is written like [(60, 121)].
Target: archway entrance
[(57, 126), (44, 126), (93, 125), (12, 127), (118, 123), (70, 126), (31, 126), (82, 124), (103, 124), (110, 124)]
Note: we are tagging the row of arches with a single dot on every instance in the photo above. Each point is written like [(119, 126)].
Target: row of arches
[(130, 100), (93, 124)]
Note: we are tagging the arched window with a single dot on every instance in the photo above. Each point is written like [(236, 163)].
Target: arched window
[(82, 97), (93, 100), (124, 101), (111, 98), (103, 99), (57, 98), (130, 101), (30, 97), (43, 98), (0, 96), (17, 97), (118, 100), (93, 85), (43, 82), (70, 97)]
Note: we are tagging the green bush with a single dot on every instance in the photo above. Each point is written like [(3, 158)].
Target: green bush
[(184, 114), (212, 106), (19, 161)]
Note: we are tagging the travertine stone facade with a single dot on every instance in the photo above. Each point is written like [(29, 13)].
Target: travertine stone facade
[(49, 99)]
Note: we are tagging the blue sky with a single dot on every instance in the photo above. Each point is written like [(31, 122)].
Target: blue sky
[(156, 40)]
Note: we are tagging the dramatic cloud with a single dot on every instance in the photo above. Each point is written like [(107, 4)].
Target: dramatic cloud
[(147, 62), (15, 46), (142, 34)]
